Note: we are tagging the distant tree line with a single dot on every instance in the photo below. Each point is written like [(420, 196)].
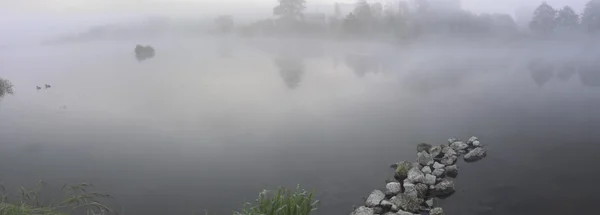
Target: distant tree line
[(406, 19)]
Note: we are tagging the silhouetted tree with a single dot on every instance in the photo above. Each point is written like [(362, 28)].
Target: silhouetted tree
[(591, 16), (377, 10), (224, 24), (543, 20), (337, 11), (290, 10), (363, 11), (5, 87), (567, 18)]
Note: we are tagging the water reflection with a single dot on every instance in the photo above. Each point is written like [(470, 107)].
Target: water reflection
[(589, 73), (541, 70), (362, 64), (291, 69), (225, 50), (566, 70)]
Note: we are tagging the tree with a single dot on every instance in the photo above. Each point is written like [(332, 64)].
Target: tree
[(337, 10), (591, 16), (5, 87), (363, 11), (567, 18), (377, 10), (290, 10), (543, 20)]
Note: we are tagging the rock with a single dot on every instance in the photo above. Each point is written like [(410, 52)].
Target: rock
[(378, 210), (426, 170), (404, 213), (429, 203), (449, 159), (408, 203), (386, 204), (393, 188), (415, 175), (459, 146), (475, 155), (444, 188), (438, 172), (410, 190), (471, 140), (448, 151), (451, 171), (395, 204), (436, 211), (421, 190), (375, 198), (423, 147), (476, 143), (402, 170), (362, 210), (436, 151), (452, 140), (437, 165), (416, 165), (424, 158), (429, 179)]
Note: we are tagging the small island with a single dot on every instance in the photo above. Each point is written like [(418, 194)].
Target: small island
[(143, 52)]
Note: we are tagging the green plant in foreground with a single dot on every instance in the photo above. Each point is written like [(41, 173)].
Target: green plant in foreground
[(78, 199), (281, 202)]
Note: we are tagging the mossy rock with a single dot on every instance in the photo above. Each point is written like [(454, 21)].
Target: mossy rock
[(402, 170)]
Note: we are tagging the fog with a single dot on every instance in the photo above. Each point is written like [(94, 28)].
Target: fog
[(177, 107)]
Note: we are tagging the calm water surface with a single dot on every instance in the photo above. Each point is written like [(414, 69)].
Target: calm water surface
[(206, 125)]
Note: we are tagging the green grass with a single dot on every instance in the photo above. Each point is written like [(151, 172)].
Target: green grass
[(78, 199), (281, 202)]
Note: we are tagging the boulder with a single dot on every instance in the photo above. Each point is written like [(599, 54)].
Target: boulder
[(421, 190), (402, 170), (436, 151), (429, 203), (378, 210), (438, 172), (476, 143), (362, 210), (436, 211), (386, 204), (451, 171), (437, 165), (415, 175), (393, 188), (444, 188), (429, 179), (401, 212), (452, 140), (410, 190), (423, 147), (449, 159), (471, 140), (426, 170), (424, 158), (459, 146), (407, 203), (475, 155), (448, 151), (374, 198)]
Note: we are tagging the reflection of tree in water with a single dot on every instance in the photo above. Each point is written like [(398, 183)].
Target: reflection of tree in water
[(362, 64), (566, 70), (225, 50), (589, 72), (541, 71), (5, 87), (291, 70)]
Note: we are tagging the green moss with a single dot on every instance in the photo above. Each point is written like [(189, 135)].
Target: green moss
[(402, 170)]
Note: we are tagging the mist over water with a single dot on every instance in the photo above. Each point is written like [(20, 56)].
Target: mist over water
[(206, 122)]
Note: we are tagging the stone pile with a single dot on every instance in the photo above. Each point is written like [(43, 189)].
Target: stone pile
[(417, 184)]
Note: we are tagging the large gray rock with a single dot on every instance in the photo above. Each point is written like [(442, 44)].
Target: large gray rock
[(476, 143), (446, 187), (437, 165), (374, 198), (410, 189), (424, 158), (429, 203), (386, 204), (436, 151), (393, 188), (452, 140), (362, 210), (459, 146), (423, 147), (401, 212), (436, 211), (402, 170), (451, 171), (407, 203), (426, 170), (438, 172), (429, 179), (378, 210), (449, 159), (472, 139), (415, 175), (421, 190), (448, 151), (475, 155)]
